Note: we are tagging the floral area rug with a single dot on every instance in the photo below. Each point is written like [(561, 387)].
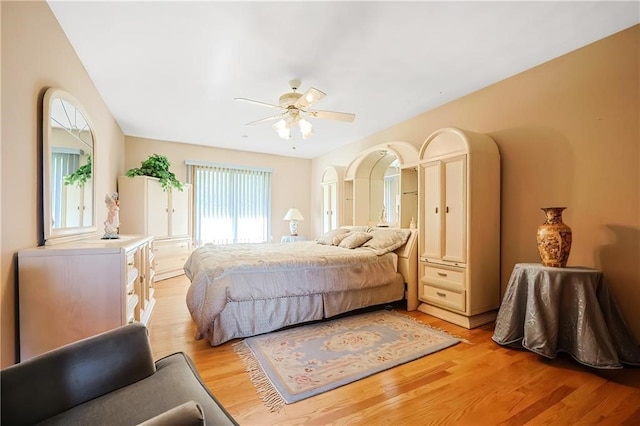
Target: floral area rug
[(296, 363)]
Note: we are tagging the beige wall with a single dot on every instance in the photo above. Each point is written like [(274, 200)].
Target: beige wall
[(36, 55), (291, 176), (569, 135)]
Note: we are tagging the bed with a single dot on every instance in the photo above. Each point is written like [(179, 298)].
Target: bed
[(242, 290)]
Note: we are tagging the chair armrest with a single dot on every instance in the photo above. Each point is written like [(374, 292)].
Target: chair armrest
[(58, 380), (187, 414)]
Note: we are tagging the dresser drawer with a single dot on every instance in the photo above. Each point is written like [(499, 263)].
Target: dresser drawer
[(441, 297), (132, 302), (448, 279), (132, 274)]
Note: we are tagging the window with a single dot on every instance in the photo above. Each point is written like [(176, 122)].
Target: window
[(64, 161), (232, 204)]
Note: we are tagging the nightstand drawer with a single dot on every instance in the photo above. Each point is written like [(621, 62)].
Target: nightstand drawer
[(442, 297), (449, 279)]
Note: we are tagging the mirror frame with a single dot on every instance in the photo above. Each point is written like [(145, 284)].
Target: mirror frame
[(58, 235)]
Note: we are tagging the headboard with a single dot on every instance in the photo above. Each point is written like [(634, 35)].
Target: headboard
[(407, 264)]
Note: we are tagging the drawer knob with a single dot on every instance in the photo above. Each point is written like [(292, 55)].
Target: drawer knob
[(441, 294), (442, 274)]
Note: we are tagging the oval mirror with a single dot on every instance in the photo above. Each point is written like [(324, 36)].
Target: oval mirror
[(68, 168)]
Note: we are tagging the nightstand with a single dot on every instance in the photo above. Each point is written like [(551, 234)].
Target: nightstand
[(292, 238)]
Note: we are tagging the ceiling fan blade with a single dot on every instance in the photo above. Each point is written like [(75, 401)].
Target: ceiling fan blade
[(332, 115), (257, 102), (311, 96), (263, 120)]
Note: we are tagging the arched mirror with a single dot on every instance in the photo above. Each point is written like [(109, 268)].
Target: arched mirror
[(384, 189), (68, 168), (383, 182)]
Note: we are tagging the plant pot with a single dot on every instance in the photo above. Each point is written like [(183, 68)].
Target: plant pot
[(554, 239)]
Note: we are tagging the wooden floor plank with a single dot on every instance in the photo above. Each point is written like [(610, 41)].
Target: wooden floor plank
[(476, 383)]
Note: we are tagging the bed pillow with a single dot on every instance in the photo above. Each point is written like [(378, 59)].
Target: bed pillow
[(333, 238), (355, 239), (386, 240)]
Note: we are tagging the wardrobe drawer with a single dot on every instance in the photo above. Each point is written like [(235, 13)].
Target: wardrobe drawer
[(170, 263), (449, 279), (445, 298), (164, 249)]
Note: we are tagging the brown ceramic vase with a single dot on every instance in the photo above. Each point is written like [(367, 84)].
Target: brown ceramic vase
[(554, 239)]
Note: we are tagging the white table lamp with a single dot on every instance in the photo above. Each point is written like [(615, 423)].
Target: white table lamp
[(293, 215)]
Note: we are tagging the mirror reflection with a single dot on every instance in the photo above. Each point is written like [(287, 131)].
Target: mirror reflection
[(384, 189), (68, 167)]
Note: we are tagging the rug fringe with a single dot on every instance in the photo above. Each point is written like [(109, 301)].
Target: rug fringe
[(462, 339), (266, 390)]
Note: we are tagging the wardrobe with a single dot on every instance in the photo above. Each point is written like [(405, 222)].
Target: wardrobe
[(459, 222), (147, 208)]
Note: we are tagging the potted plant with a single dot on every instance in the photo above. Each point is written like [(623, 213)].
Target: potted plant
[(80, 176), (157, 166)]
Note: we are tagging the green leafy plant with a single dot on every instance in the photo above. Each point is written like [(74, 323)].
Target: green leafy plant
[(80, 176), (157, 166)]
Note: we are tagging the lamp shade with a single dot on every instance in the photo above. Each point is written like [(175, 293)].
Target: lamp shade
[(293, 214)]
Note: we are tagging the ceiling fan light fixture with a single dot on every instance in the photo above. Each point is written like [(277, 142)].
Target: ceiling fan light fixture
[(295, 107), (305, 128), (283, 128)]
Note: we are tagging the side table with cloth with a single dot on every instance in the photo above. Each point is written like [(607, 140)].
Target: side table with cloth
[(548, 310)]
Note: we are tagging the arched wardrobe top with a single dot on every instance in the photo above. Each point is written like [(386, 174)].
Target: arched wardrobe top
[(452, 140)]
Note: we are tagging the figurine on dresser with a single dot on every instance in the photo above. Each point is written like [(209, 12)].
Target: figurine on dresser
[(113, 217), (382, 218)]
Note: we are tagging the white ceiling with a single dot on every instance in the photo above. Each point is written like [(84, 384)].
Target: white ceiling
[(171, 70)]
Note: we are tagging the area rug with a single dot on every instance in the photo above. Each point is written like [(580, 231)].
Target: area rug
[(296, 363)]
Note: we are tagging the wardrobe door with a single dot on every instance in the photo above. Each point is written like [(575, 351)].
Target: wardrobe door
[(180, 212), (455, 209), (157, 209), (329, 206), (432, 210)]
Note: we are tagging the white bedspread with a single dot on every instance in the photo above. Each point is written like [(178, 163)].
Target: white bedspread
[(221, 273)]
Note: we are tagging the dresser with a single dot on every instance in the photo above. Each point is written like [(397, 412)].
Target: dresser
[(146, 208), (77, 289), (459, 176)]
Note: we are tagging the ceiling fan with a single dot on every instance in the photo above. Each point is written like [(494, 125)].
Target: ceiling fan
[(296, 110)]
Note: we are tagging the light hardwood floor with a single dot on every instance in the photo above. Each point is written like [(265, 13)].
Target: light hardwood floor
[(479, 383)]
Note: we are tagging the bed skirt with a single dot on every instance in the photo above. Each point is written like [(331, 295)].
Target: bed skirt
[(247, 318)]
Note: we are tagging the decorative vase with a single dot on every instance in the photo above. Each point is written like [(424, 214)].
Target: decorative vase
[(554, 238)]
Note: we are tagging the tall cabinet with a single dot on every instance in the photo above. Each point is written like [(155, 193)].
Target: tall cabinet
[(459, 176), (77, 289), (331, 197), (145, 207)]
